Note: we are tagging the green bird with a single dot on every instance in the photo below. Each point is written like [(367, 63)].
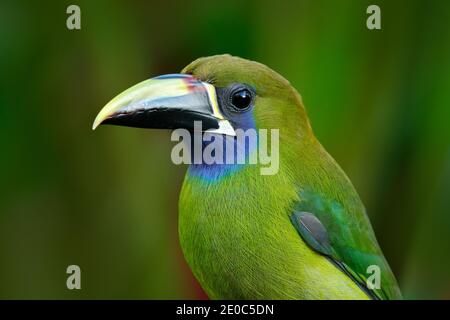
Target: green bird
[(300, 232)]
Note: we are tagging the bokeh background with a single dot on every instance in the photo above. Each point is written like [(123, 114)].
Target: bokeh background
[(379, 101)]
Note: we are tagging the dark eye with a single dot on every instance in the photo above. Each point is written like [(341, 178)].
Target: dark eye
[(241, 99)]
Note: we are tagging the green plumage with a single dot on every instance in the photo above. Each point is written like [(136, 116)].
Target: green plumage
[(299, 233), (236, 230)]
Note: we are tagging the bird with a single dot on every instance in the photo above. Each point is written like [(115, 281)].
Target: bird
[(299, 233)]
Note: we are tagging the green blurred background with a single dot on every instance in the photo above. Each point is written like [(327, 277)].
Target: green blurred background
[(379, 101)]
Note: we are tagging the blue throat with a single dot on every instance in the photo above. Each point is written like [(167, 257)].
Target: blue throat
[(235, 151), (230, 162)]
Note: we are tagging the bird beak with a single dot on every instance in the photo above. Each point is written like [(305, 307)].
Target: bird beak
[(167, 102)]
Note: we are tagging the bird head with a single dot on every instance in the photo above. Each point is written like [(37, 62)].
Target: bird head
[(223, 92)]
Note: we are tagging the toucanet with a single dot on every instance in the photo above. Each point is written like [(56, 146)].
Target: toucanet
[(300, 232)]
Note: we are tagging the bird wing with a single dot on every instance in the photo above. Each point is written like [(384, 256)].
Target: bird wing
[(350, 246)]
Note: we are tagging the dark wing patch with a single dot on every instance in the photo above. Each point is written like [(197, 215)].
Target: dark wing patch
[(312, 231), (315, 235)]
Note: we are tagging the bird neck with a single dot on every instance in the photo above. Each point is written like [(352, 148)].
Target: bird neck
[(222, 156)]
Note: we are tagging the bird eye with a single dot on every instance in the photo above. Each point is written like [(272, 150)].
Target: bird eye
[(241, 99)]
